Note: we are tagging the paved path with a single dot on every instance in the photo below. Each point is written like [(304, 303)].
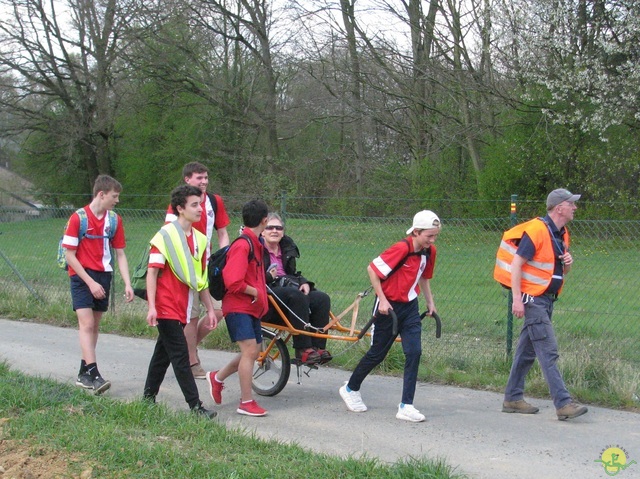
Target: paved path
[(463, 426)]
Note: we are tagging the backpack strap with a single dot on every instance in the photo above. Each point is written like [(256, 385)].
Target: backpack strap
[(111, 217), (113, 220), (251, 255), (84, 221), (214, 207), (409, 253), (554, 240)]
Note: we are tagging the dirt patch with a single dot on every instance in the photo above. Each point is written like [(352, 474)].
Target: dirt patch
[(21, 460)]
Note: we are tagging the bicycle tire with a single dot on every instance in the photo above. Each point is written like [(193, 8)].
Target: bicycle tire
[(271, 375)]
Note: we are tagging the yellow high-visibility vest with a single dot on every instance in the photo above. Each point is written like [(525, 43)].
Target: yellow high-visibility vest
[(172, 243)]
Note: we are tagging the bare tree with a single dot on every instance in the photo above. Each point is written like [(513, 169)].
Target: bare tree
[(355, 89), (64, 63), (247, 24)]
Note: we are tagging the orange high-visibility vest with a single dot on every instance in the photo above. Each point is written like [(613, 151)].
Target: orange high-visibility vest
[(537, 272)]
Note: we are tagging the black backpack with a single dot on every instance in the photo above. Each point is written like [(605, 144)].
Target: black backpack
[(216, 264)]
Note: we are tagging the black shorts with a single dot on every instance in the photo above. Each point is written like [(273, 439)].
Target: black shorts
[(81, 296)]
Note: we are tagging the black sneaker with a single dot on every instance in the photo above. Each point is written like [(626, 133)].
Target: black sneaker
[(100, 385), (200, 410), (84, 381)]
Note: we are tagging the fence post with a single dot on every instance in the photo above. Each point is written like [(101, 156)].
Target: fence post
[(283, 206), (514, 219)]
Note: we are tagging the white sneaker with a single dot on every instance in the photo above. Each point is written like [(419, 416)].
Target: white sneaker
[(407, 412), (352, 399)]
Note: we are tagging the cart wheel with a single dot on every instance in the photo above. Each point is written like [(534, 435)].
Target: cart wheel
[(270, 375)]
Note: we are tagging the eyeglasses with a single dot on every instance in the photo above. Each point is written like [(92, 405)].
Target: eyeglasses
[(274, 227)]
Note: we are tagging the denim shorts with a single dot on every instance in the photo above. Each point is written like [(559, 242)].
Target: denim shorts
[(242, 326), (81, 296)]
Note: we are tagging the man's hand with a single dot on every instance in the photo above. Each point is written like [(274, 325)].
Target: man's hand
[(518, 307), (305, 288), (566, 259)]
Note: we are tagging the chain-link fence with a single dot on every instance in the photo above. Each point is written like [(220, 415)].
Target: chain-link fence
[(597, 318)]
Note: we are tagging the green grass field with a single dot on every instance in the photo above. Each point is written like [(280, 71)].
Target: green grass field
[(597, 318), (99, 437)]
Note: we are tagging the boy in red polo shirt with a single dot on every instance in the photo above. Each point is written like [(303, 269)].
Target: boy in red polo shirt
[(90, 265), (397, 276)]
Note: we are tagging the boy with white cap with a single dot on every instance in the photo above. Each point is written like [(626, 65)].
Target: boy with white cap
[(397, 276)]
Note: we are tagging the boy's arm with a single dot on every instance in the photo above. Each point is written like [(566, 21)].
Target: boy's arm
[(223, 237), (96, 289), (152, 287), (376, 283), (235, 270), (425, 287), (123, 266), (205, 298)]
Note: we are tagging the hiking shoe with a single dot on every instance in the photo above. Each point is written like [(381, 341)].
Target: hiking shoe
[(521, 407), (100, 385), (198, 372), (407, 412), (215, 387), (325, 356), (571, 410), (308, 355), (200, 410), (251, 408), (352, 399), (84, 381)]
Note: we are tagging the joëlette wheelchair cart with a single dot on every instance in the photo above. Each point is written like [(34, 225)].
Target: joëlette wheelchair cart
[(273, 366)]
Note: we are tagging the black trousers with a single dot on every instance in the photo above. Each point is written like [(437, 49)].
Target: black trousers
[(171, 348), (312, 308)]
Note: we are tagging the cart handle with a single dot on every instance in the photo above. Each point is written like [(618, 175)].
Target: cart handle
[(435, 316), (394, 327)]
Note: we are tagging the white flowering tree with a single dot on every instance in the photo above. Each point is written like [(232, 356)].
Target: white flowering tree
[(584, 53)]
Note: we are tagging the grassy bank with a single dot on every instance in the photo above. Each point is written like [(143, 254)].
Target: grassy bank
[(98, 437)]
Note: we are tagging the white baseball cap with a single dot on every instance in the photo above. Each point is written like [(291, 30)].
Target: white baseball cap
[(424, 220)]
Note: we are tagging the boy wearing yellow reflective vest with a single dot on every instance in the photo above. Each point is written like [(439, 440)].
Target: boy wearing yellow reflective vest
[(532, 260), (177, 272)]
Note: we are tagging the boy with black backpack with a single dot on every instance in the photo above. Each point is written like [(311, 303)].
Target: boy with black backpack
[(245, 302), (397, 276), (88, 242)]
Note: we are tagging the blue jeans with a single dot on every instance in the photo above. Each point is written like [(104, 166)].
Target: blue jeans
[(410, 330), (537, 339)]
